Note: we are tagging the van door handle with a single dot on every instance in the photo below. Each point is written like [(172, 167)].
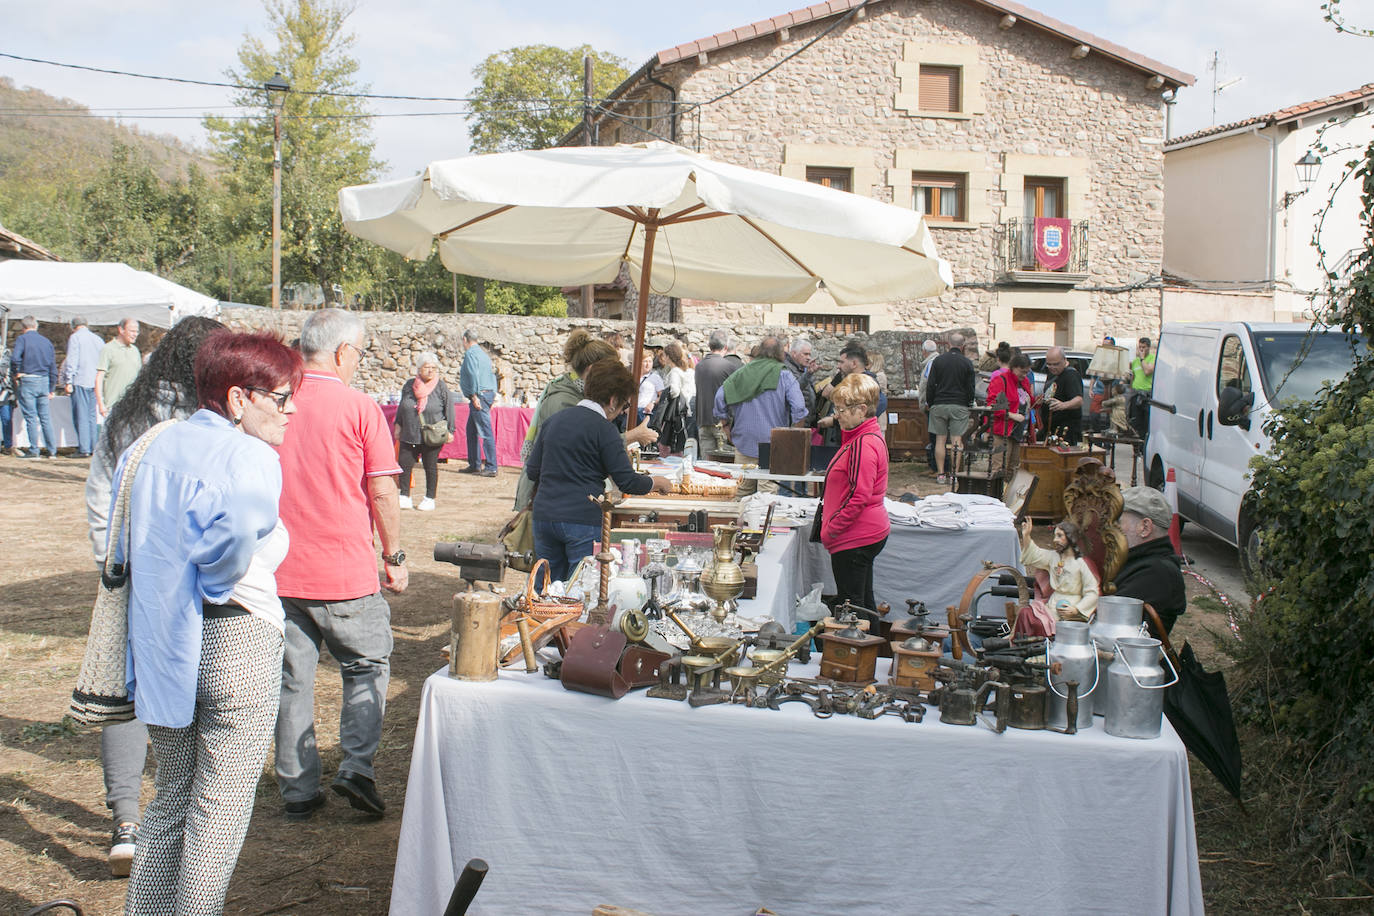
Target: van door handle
[(1199, 423), (1209, 424)]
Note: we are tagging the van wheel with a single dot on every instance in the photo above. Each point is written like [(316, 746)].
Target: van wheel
[(1248, 547)]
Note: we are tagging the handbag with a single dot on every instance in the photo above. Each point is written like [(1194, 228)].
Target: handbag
[(101, 695), (436, 433), (818, 519)]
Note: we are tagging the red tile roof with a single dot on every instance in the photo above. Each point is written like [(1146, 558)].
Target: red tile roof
[(1005, 7), (1284, 115)]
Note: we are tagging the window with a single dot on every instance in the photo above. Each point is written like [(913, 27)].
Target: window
[(835, 324), (939, 88), (839, 179), (939, 196), (1044, 197), (1232, 371)]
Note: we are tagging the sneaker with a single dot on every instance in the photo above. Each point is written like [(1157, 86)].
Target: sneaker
[(122, 849), (489, 473), (406, 503), (426, 505), (361, 793), (303, 810), (468, 470), (942, 480), (29, 455)]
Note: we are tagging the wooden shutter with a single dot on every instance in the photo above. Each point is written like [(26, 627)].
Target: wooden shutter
[(939, 88)]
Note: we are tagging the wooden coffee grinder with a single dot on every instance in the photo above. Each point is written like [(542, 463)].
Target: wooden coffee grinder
[(849, 654)]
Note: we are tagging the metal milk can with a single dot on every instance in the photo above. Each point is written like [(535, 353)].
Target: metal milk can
[(1136, 707), (1073, 651), (1117, 617)]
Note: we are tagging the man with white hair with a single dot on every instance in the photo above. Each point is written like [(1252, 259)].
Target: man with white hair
[(34, 364), (799, 362), (84, 347), (1152, 571), (478, 381), (339, 484)]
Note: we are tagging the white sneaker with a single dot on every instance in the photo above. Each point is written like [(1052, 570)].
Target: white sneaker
[(406, 503), (426, 505)]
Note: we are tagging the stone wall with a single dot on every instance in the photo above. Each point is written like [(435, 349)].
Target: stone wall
[(533, 346)]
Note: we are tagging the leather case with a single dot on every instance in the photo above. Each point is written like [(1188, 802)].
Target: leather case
[(639, 665), (789, 451), (592, 661)]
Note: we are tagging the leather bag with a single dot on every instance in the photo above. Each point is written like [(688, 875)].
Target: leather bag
[(639, 665), (437, 433), (592, 663)]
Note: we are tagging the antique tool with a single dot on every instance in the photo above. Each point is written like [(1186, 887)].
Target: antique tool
[(1026, 706), (914, 661), (599, 615), (918, 623), (772, 636), (962, 619), (723, 647), (723, 580), (849, 655), (703, 675), (476, 562), (963, 695), (655, 573), (670, 685)]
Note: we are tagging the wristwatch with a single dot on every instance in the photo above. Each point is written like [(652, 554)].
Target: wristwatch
[(395, 559)]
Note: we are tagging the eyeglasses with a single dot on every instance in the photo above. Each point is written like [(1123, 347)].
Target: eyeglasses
[(281, 397), (356, 349)]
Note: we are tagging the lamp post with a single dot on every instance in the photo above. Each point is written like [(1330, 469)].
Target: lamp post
[(276, 89)]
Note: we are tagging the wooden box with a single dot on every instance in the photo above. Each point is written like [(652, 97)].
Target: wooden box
[(789, 451)]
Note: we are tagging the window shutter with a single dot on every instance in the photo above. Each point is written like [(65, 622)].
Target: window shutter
[(939, 89)]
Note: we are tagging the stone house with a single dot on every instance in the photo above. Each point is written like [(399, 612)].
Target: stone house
[(982, 115), (1244, 200)]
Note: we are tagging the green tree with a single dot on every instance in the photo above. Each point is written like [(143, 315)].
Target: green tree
[(326, 144), (528, 97)]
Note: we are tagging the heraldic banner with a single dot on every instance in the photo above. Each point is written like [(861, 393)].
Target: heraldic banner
[(1052, 242)]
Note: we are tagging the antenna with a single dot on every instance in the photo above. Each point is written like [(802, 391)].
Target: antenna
[(1218, 87)]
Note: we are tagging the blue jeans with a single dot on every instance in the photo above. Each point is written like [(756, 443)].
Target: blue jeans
[(6, 425), (358, 635), (33, 403), (479, 427), (563, 544), (83, 415)]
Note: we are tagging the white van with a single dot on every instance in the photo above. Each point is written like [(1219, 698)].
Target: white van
[(1215, 385)]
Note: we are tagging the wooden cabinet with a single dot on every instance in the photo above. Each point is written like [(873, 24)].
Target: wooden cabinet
[(907, 437), (1055, 469)]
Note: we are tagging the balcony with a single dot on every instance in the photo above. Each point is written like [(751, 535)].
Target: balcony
[(1015, 255)]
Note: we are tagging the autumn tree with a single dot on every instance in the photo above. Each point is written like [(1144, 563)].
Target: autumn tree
[(326, 144)]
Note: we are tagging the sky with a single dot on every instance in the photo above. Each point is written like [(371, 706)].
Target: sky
[(1281, 51)]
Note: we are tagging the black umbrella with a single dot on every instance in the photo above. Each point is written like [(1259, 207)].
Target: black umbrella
[(1199, 709)]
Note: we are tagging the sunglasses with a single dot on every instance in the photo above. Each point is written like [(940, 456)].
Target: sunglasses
[(281, 397)]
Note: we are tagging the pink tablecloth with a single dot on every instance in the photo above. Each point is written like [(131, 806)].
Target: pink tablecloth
[(510, 424)]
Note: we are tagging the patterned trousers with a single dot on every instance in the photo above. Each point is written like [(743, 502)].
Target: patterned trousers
[(207, 774)]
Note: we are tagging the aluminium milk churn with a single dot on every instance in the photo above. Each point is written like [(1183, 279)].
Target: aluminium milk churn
[(1073, 650), (1117, 617), (1136, 705)]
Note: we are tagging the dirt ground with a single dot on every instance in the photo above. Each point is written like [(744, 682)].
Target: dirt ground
[(54, 828)]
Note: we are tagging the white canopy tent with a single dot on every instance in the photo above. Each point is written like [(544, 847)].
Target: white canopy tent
[(101, 293)]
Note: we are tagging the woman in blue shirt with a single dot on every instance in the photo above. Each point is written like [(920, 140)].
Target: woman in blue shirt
[(576, 451), (205, 623)]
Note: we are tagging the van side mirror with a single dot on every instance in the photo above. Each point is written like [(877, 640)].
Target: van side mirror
[(1233, 408)]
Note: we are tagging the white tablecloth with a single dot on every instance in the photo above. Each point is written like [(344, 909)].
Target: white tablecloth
[(576, 800), (63, 427)]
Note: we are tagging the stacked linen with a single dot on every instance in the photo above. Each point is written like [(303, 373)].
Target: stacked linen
[(789, 511), (951, 511)]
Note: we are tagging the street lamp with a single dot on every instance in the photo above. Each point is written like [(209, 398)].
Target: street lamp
[(276, 89), (1307, 168)]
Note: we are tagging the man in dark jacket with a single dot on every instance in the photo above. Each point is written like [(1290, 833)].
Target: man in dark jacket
[(711, 372), (1152, 571), (950, 393), (821, 414)]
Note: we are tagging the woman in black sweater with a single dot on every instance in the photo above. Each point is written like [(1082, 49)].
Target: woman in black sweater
[(577, 449), (425, 401)]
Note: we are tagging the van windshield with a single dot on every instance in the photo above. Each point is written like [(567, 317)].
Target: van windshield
[(1329, 358)]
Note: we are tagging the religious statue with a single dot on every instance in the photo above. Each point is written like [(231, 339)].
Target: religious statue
[(1073, 584)]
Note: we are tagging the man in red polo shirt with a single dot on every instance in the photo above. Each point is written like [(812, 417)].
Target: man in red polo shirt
[(338, 483)]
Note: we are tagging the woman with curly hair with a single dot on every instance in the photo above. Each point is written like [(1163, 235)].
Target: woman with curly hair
[(164, 389)]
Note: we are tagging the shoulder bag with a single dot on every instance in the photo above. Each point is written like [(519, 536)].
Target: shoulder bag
[(102, 696), (437, 433)]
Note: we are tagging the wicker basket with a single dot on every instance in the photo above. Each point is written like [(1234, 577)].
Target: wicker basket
[(545, 606)]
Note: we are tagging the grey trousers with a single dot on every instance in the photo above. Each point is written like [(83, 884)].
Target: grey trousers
[(358, 635), (207, 774), (123, 751)]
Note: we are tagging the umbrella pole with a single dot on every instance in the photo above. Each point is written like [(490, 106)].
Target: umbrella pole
[(642, 313)]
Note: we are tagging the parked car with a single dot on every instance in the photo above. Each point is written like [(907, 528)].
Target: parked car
[(1077, 358), (1215, 385)]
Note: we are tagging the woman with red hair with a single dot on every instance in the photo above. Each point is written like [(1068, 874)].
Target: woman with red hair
[(205, 623)]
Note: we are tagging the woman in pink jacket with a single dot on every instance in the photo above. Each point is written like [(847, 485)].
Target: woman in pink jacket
[(854, 524)]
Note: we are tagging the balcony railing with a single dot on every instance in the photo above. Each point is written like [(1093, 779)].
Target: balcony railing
[(1016, 254)]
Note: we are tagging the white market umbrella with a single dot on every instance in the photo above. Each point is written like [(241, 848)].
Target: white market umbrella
[(687, 225)]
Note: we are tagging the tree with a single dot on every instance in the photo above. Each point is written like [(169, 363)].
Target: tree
[(528, 97), (326, 144)]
